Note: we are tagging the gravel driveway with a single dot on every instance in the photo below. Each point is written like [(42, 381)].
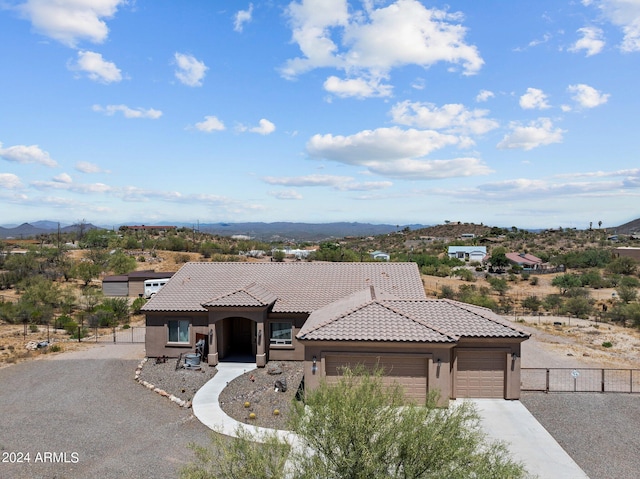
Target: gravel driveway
[(88, 403), (599, 431)]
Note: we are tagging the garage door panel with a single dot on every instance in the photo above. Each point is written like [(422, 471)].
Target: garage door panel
[(410, 373), (480, 374)]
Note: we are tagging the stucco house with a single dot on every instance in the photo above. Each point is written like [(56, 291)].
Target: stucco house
[(525, 260), (467, 253), (330, 315)]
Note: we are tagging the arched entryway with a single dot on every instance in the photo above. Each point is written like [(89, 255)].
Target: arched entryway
[(238, 340)]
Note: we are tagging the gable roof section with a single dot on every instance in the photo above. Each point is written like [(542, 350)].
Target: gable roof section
[(252, 295), (298, 287), (364, 316), (460, 320), (377, 317)]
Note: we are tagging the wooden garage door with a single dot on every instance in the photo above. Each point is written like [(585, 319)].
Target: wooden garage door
[(409, 372), (480, 374)]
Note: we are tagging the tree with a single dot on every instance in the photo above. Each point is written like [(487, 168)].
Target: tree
[(498, 258), (499, 285), (122, 263), (566, 281), (623, 265), (532, 303), (360, 428)]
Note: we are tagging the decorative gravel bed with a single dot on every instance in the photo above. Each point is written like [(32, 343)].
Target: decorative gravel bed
[(182, 383), (257, 388)]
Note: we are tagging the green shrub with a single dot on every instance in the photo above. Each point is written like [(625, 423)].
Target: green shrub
[(55, 348), (607, 344), (33, 328)]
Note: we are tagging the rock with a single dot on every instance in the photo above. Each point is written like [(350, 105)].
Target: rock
[(274, 368), (281, 385)]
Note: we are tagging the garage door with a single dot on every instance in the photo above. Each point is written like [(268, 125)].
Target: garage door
[(480, 374), (409, 372)]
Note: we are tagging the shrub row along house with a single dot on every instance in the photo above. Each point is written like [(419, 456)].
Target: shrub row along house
[(331, 315)]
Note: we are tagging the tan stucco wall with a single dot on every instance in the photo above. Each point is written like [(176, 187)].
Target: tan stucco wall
[(156, 336), (438, 375)]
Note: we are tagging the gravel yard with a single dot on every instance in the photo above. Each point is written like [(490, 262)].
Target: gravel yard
[(182, 383), (257, 388), (599, 431)]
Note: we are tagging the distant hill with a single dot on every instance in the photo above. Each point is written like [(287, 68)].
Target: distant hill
[(301, 231), (261, 231), (28, 230), (629, 228)]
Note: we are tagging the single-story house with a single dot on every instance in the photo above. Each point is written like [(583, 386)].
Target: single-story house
[(468, 253), (131, 284), (330, 315), (525, 260)]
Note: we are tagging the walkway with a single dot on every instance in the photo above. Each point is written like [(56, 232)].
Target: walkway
[(507, 421)]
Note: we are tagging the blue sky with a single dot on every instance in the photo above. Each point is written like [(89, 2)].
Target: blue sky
[(153, 111)]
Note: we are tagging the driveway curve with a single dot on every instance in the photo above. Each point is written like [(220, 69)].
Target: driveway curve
[(81, 414)]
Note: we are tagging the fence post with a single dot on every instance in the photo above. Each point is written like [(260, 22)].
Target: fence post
[(630, 381), (602, 381), (547, 389), (114, 334)]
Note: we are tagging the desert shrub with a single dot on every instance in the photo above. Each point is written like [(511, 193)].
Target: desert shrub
[(33, 328), (533, 281), (464, 274), (447, 292), (607, 344), (55, 348), (137, 304)]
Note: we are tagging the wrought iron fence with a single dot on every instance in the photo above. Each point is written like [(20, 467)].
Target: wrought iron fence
[(580, 380), (118, 335)]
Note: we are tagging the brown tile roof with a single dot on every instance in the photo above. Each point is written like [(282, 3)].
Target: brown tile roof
[(370, 316), (252, 295), (298, 287)]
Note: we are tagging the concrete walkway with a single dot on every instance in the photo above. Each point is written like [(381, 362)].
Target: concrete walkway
[(507, 421)]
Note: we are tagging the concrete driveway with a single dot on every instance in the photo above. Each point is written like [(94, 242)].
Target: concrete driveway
[(86, 407)]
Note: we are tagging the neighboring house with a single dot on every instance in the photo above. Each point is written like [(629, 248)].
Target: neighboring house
[(131, 284), (468, 253), (330, 315), (528, 262), (152, 229), (380, 256)]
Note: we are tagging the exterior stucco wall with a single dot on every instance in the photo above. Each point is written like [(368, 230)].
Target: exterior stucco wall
[(293, 352), (438, 360), (157, 335)]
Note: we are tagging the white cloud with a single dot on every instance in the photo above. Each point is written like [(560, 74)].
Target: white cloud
[(69, 21), (534, 99), (341, 183), (24, 154), (190, 71), (591, 41), (65, 182), (412, 169), (86, 167), (63, 178), (357, 87), (381, 144), (286, 195), (484, 95), (10, 181), (242, 17), (265, 127), (111, 110), (452, 117), (367, 44), (587, 96), (626, 15), (96, 68), (538, 133), (210, 123)]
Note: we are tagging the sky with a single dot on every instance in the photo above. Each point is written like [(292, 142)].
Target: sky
[(400, 112)]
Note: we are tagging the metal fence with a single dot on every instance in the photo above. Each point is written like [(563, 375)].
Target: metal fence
[(118, 335), (580, 380)]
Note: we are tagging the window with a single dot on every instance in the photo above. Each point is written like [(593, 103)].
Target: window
[(179, 331), (281, 333)]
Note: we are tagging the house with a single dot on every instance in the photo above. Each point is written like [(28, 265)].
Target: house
[(468, 253), (131, 284), (380, 256), (330, 315), (528, 262)]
